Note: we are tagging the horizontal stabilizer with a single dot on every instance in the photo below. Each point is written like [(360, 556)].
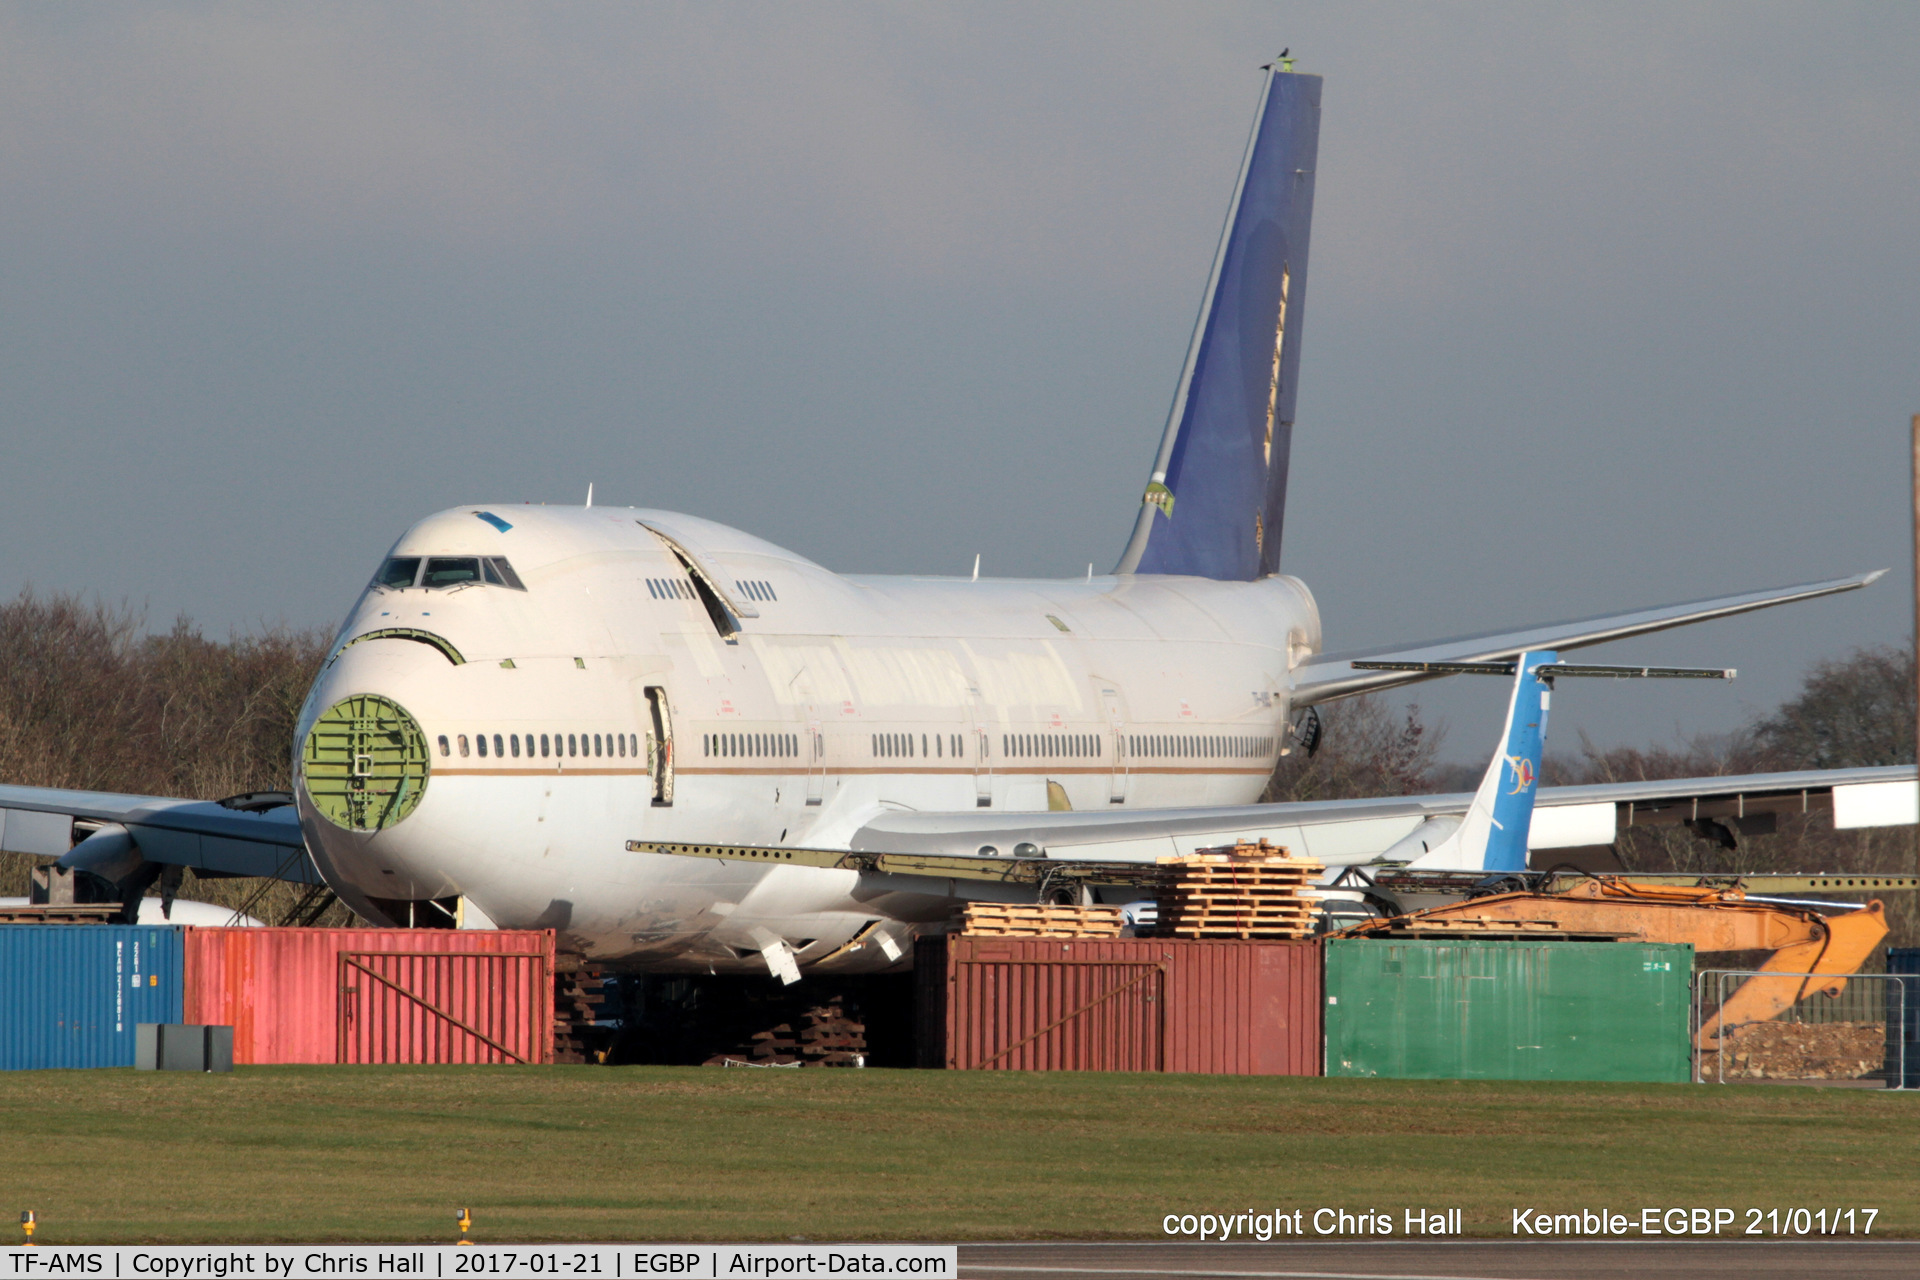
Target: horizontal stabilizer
[(1331, 676), (1552, 670)]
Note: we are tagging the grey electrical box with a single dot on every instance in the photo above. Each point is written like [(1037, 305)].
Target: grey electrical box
[(219, 1056), (173, 1046), (146, 1046)]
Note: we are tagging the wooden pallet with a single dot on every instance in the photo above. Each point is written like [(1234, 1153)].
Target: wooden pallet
[(1249, 890), (1227, 932), (999, 920), (1289, 876), (1240, 851), (61, 913), (829, 1035), (1189, 915)]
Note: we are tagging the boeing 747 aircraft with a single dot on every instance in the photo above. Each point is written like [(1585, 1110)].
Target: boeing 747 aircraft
[(542, 710)]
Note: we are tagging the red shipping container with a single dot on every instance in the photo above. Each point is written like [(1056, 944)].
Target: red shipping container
[(375, 995), (1123, 1004)]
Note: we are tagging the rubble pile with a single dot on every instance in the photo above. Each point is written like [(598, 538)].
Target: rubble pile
[(1799, 1051)]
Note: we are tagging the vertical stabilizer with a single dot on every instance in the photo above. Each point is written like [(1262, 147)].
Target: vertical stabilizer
[(1493, 834), (1217, 498)]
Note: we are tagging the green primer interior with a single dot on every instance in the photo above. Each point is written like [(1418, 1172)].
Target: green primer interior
[(365, 763)]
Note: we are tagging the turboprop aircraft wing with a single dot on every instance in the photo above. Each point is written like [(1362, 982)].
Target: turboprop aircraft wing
[(1333, 675), (1053, 849), (112, 834), (1493, 828), (1358, 832)]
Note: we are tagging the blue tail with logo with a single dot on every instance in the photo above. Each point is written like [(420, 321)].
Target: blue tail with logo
[(1492, 835), (1218, 496)]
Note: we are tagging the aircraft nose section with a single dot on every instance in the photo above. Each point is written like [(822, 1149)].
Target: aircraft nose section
[(364, 763)]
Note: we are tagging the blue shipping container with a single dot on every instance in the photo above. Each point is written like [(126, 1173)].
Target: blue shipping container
[(72, 994)]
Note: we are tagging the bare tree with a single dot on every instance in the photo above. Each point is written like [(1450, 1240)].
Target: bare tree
[(87, 701), (1367, 748), (1851, 712)]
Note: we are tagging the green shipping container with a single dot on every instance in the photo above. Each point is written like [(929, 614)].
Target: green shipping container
[(1443, 1010)]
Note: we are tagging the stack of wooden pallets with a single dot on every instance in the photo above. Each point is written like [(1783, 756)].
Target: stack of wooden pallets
[(829, 1035), (1247, 891), (998, 920), (579, 989)]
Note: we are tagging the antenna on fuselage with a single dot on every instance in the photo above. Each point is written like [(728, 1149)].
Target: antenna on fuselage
[(976, 566), (589, 493)]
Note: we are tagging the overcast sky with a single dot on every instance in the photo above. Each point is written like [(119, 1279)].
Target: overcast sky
[(1608, 306)]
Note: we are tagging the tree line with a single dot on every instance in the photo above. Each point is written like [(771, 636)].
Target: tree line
[(90, 699)]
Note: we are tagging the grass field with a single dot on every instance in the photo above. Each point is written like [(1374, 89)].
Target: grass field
[(560, 1153)]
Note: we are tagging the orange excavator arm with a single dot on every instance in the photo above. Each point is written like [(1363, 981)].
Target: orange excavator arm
[(1801, 940)]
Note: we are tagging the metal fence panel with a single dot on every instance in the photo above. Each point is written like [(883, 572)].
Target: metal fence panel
[(1851, 1035), (1903, 1014)]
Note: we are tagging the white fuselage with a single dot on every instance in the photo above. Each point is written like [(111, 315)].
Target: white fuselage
[(625, 714)]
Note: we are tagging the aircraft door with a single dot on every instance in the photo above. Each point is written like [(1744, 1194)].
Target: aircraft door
[(815, 747), (660, 745), (982, 757), (1115, 707)]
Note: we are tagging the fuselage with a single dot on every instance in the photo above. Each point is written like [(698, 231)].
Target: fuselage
[(606, 685)]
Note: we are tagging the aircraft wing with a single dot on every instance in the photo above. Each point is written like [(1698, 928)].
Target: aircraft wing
[(1357, 832), (205, 835), (1329, 676)]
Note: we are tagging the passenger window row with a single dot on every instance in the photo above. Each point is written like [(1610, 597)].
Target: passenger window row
[(756, 589), (1188, 746), (619, 745), (670, 589), (723, 745), (1069, 745), (447, 571), (938, 746)]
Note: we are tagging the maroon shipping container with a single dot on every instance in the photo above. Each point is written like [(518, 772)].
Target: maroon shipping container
[(375, 995), (1123, 1004)]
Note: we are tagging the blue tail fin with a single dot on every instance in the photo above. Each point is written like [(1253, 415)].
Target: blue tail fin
[(1493, 833), (1218, 496)]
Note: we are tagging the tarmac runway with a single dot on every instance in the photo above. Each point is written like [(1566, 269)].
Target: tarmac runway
[(1446, 1260)]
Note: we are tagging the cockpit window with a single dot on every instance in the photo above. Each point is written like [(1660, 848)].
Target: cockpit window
[(507, 578), (450, 571), (399, 571)]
